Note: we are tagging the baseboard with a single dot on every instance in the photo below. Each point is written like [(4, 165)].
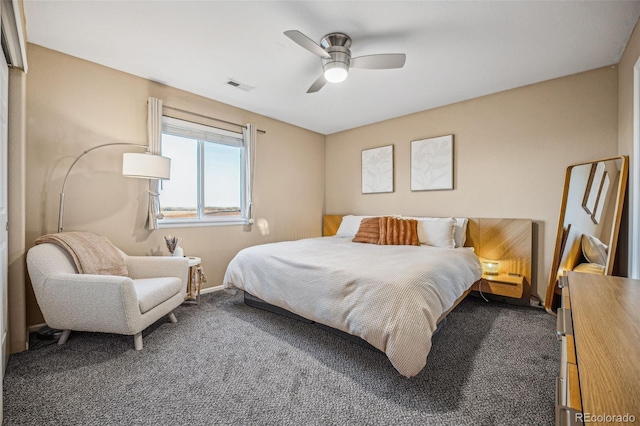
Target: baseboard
[(211, 289)]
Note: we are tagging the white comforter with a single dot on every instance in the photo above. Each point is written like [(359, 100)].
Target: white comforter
[(391, 296)]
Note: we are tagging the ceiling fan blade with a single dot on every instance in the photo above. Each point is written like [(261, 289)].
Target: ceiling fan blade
[(307, 43), (379, 62), (318, 84)]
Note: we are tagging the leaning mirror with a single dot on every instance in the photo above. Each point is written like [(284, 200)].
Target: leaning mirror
[(589, 221)]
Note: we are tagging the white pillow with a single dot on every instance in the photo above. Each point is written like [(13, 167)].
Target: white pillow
[(349, 226), (436, 231), (461, 230), (594, 250)]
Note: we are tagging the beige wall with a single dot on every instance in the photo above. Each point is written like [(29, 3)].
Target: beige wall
[(625, 92), (511, 150), (73, 105)]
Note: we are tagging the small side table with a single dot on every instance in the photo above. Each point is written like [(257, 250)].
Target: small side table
[(196, 278), (501, 285)]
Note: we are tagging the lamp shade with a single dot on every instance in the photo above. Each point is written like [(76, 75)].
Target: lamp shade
[(490, 267), (145, 166)]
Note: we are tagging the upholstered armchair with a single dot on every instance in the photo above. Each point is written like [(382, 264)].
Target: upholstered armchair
[(154, 287)]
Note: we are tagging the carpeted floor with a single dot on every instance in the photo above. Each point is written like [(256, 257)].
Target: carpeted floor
[(227, 363)]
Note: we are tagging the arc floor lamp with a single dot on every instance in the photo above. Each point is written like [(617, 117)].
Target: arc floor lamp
[(135, 165)]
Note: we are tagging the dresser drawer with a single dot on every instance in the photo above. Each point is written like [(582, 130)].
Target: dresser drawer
[(566, 299), (573, 388), (501, 285), (568, 399), (569, 384)]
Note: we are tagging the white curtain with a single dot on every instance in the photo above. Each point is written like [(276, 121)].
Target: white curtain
[(154, 133), (250, 134)]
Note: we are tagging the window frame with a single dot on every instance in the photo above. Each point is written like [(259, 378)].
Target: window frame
[(245, 181)]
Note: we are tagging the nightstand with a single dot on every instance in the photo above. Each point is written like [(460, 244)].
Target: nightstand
[(502, 285), (196, 278)]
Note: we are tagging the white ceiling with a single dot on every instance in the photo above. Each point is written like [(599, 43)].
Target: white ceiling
[(455, 50)]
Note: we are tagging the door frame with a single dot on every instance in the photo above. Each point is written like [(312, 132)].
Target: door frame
[(634, 181)]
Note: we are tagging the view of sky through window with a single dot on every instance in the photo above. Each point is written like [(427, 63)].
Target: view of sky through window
[(221, 178)]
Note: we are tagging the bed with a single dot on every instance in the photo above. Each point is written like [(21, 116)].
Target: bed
[(393, 297)]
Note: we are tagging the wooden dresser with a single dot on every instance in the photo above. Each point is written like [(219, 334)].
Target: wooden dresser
[(599, 328)]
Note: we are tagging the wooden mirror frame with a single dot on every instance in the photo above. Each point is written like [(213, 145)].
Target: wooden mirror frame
[(562, 234)]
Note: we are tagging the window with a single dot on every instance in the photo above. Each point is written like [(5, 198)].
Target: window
[(209, 182)]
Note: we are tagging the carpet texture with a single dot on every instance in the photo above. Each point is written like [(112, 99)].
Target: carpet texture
[(227, 363)]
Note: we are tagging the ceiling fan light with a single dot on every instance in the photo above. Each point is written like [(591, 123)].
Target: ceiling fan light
[(336, 72)]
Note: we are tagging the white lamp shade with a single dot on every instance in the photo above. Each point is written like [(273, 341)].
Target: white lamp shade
[(145, 166)]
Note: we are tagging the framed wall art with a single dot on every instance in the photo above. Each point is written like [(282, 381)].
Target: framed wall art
[(432, 164), (593, 187), (377, 170), (602, 198)]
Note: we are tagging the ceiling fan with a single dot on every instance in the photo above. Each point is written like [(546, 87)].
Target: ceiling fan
[(336, 57)]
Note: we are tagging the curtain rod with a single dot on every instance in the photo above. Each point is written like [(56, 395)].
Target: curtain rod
[(210, 118)]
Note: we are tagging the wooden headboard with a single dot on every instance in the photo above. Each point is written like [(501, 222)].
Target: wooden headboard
[(330, 224), (508, 241)]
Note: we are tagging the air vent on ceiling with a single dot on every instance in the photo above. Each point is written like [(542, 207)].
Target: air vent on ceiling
[(239, 85)]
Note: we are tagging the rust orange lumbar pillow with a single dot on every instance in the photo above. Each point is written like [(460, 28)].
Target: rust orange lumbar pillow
[(394, 231), (369, 231), (388, 230)]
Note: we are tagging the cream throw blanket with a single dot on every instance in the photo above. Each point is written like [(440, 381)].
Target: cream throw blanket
[(91, 253)]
